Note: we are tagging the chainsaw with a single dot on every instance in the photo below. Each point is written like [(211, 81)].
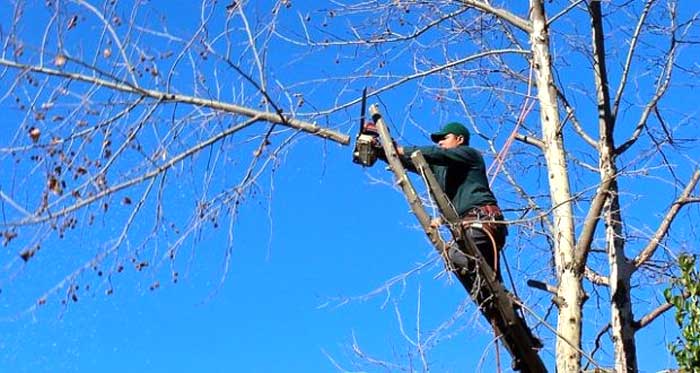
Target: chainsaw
[(365, 152)]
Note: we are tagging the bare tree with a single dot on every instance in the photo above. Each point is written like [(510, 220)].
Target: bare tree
[(118, 120), (124, 116)]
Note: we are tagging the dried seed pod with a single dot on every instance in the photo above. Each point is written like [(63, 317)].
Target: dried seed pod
[(34, 134), (60, 60)]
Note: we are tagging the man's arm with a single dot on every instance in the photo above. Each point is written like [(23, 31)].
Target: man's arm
[(438, 156), (403, 157)]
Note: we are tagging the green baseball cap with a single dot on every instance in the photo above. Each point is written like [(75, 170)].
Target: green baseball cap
[(454, 128)]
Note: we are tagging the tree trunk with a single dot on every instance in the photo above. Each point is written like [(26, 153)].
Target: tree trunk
[(621, 317), (620, 268), (569, 272)]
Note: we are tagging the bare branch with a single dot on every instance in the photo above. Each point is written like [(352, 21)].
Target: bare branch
[(122, 51), (530, 140), (542, 286), (172, 97), (519, 22), (665, 81), (596, 278), (564, 11), (46, 216), (590, 224), (630, 54), (661, 232), (598, 337), (422, 74), (381, 39), (651, 316), (570, 114)]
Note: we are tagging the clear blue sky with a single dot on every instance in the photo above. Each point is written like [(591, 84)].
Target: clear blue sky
[(309, 250)]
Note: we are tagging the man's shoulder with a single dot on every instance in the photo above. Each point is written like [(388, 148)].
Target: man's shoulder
[(468, 150)]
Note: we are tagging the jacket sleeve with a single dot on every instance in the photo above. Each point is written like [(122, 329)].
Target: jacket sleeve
[(438, 156), (405, 159)]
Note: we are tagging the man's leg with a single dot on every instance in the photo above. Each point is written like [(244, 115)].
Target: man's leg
[(466, 265)]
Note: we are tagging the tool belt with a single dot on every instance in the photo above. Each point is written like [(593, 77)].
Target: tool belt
[(486, 215)]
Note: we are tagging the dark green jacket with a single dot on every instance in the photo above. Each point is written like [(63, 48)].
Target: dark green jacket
[(461, 173)]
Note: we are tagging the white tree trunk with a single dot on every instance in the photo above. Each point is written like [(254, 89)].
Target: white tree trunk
[(621, 316), (568, 270)]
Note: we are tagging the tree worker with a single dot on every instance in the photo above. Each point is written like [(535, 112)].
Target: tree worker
[(461, 173)]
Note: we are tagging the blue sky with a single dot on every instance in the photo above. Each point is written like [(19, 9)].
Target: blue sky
[(317, 239)]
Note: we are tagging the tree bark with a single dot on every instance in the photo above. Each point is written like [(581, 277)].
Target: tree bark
[(569, 271), (621, 316)]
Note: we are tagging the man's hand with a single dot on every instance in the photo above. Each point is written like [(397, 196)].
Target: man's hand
[(436, 222)]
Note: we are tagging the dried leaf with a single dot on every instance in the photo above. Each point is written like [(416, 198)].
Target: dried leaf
[(9, 236), (34, 134), (28, 253), (55, 186)]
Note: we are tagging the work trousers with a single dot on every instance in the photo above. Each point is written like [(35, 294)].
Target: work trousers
[(484, 244)]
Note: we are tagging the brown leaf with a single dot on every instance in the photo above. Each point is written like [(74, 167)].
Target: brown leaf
[(8, 235), (34, 134), (54, 185), (28, 253)]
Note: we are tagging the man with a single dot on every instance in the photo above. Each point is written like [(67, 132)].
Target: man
[(461, 173)]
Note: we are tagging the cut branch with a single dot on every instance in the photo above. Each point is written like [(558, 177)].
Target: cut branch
[(530, 140)]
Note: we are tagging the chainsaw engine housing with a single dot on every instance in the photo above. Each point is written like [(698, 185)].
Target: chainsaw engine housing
[(365, 153)]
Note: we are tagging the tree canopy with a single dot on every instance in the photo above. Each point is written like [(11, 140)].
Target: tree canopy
[(142, 135)]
